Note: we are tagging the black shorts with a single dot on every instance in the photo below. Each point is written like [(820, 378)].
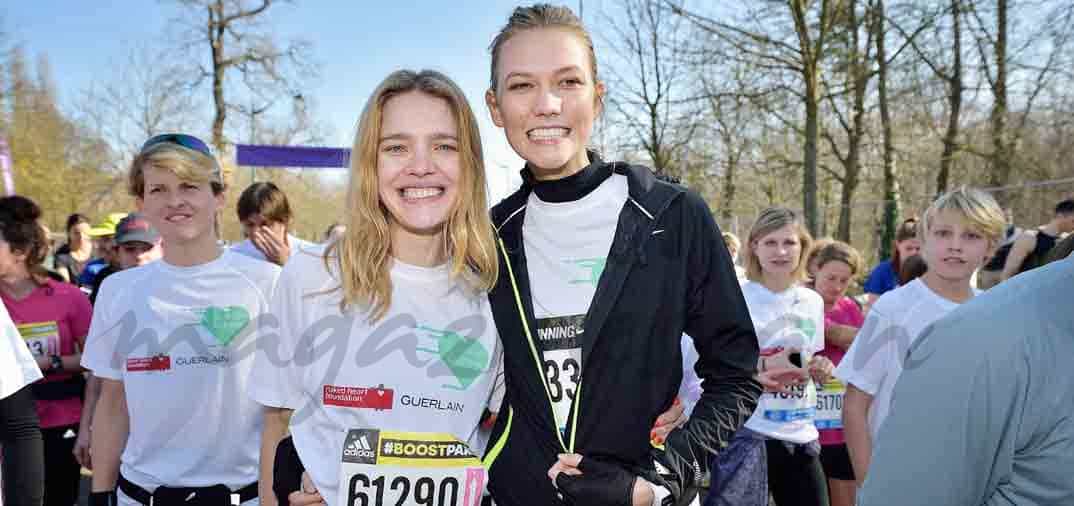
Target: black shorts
[(836, 462)]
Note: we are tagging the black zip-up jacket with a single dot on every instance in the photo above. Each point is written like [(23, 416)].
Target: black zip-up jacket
[(668, 272)]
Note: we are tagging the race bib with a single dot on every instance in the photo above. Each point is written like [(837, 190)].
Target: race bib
[(830, 405), (43, 338), (561, 341), (799, 404), (389, 468)]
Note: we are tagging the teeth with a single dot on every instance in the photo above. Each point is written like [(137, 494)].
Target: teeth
[(548, 133), (421, 193)]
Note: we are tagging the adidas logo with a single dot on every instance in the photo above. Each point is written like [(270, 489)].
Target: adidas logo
[(359, 447)]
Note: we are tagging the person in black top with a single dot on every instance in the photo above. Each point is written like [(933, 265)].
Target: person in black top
[(603, 269), (1031, 248), (72, 257)]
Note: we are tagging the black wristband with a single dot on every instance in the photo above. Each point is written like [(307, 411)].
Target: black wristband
[(103, 498), (56, 363)]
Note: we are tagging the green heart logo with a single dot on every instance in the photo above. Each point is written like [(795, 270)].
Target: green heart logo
[(807, 327), (466, 358), (225, 323)]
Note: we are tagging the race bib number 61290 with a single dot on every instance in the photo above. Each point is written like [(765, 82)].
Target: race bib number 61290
[(387, 468)]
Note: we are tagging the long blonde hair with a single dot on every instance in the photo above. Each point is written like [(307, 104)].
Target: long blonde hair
[(363, 255)]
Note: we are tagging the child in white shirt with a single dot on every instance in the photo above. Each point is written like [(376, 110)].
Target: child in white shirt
[(959, 231)]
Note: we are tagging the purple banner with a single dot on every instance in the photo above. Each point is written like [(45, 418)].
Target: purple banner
[(249, 155)]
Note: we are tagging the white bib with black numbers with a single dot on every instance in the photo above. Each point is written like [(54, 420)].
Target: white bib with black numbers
[(567, 246), (830, 405), (393, 468)]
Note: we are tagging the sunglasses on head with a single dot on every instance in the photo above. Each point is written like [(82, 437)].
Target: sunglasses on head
[(184, 140)]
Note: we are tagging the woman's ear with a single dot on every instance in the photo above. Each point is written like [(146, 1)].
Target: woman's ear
[(600, 90), (494, 108)]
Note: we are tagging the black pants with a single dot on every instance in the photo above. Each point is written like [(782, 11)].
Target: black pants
[(22, 461), (61, 468), (795, 479)]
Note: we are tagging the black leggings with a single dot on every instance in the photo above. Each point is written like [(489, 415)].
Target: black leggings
[(795, 479), (62, 476), (23, 459)]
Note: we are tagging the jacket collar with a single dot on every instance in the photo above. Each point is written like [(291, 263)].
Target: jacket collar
[(573, 187), (649, 195)]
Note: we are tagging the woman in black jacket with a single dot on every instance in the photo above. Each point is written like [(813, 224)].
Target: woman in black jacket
[(603, 268)]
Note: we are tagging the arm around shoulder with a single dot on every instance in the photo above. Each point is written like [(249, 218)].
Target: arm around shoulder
[(1021, 249)]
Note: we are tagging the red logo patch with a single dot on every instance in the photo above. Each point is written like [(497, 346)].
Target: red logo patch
[(378, 397), (157, 363), (769, 352)]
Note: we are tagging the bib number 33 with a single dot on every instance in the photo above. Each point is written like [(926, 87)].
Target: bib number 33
[(386, 468)]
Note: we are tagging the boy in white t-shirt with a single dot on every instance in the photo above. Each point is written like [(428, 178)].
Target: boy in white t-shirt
[(265, 216), (173, 342), (959, 231)]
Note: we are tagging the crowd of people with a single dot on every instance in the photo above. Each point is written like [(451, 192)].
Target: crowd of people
[(430, 351)]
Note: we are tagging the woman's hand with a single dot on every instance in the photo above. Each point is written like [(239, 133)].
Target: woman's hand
[(779, 380), (641, 493), (668, 421), (308, 495), (821, 368), (776, 372)]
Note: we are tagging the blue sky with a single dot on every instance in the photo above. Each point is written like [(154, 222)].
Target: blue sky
[(357, 43)]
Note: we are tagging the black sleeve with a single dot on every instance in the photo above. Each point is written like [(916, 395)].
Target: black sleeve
[(719, 322), (287, 470), (98, 281), (23, 465)]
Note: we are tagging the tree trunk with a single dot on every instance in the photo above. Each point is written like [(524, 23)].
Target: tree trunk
[(1001, 157), (891, 181), (950, 138), (216, 43), (859, 79), (812, 132), (729, 187)]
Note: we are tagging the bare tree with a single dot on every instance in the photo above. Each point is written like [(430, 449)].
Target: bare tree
[(947, 69), (248, 69), (1030, 62), (891, 180), (855, 60), (646, 80), (143, 97), (765, 39), (734, 123)]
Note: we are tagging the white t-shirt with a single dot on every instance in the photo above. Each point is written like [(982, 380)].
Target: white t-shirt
[(17, 366), (567, 246), (792, 319), (690, 388), (247, 247), (429, 365), (874, 361), (182, 340)]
